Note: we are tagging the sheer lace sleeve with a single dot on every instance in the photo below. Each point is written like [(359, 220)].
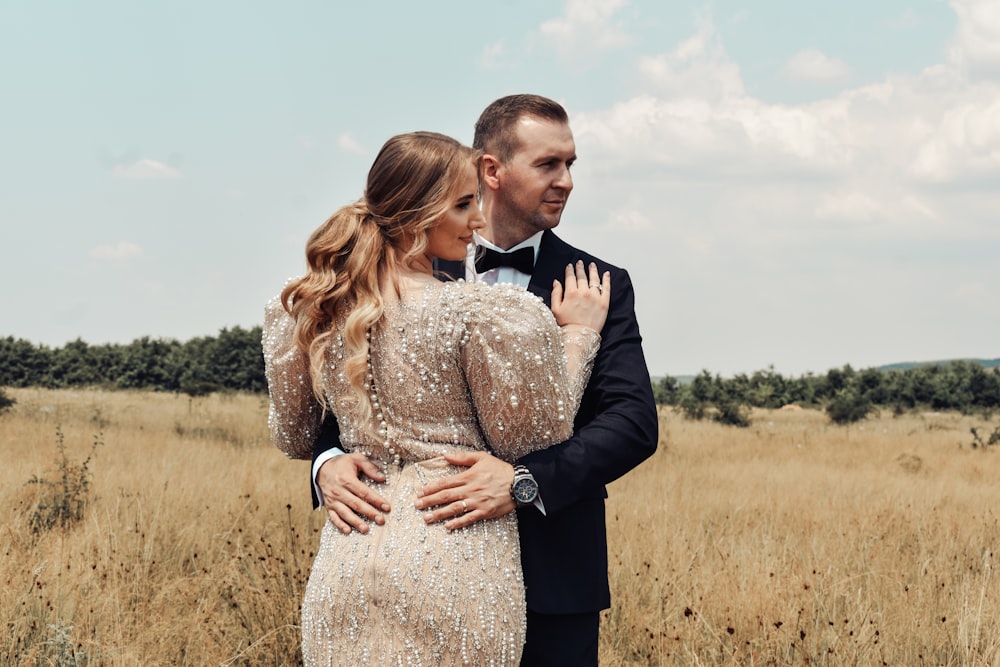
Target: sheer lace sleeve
[(581, 344), (526, 374), (294, 414)]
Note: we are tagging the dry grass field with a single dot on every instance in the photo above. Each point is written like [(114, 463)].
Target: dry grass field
[(792, 542)]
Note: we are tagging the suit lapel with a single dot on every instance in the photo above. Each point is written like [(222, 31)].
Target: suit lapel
[(553, 256)]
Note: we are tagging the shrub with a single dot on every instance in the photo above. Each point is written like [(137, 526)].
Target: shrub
[(692, 408), (66, 497), (61, 650), (732, 413), (978, 442), (666, 391), (849, 405), (6, 402)]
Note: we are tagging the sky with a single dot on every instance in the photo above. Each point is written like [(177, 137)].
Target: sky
[(791, 185)]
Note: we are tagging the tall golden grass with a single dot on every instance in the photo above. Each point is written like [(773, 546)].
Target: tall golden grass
[(791, 542)]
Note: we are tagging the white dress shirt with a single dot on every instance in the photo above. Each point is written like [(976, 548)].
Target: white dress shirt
[(501, 274)]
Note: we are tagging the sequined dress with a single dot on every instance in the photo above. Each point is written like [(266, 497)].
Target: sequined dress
[(456, 367)]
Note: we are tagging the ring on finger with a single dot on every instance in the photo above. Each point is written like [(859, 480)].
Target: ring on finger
[(600, 288), (465, 506)]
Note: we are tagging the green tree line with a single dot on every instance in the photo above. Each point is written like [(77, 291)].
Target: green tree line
[(233, 361), (230, 361), (845, 393)]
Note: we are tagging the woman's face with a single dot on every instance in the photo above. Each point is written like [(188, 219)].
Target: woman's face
[(451, 235)]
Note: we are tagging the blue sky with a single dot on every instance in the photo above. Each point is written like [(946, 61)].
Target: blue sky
[(791, 184)]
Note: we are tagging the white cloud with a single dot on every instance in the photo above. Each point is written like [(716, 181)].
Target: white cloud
[(880, 198), (145, 169), (347, 143), (629, 220), (739, 135), (856, 206), (116, 251), (876, 206), (492, 56), (585, 30), (933, 127), (965, 141), (698, 68), (906, 20), (976, 44), (814, 66), (306, 143), (907, 159)]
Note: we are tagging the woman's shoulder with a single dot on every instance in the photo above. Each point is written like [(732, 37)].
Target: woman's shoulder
[(501, 303), (498, 294), (274, 308)]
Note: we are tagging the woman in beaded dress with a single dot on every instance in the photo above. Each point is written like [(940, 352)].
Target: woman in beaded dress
[(412, 368)]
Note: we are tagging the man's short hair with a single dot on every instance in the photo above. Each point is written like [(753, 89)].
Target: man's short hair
[(495, 129)]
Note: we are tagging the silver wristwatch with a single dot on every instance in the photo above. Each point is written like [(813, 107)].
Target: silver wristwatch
[(524, 489)]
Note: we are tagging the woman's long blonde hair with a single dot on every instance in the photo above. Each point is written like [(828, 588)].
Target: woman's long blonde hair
[(350, 256)]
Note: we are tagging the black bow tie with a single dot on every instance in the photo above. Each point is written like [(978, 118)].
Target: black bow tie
[(522, 260)]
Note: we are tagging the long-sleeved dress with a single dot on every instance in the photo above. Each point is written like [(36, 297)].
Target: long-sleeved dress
[(455, 367)]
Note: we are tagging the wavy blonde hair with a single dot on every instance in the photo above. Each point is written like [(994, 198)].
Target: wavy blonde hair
[(349, 257)]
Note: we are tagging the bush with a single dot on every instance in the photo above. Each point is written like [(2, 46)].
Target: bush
[(6, 402), (848, 406), (666, 391), (68, 496), (692, 408), (732, 413), (978, 442)]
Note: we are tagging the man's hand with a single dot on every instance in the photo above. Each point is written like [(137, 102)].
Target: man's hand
[(346, 498), (481, 492)]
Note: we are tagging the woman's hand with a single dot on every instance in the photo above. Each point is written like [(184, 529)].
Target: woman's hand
[(584, 300)]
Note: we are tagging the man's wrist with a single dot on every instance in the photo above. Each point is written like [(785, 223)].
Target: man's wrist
[(524, 489), (322, 458)]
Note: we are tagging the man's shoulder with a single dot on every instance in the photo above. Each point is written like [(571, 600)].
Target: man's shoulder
[(552, 243)]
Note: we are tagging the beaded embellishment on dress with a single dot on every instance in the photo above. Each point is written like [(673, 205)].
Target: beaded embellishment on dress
[(452, 367)]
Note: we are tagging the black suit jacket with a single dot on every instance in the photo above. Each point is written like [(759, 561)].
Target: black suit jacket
[(564, 554)]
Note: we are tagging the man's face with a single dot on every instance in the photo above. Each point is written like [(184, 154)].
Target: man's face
[(535, 182)]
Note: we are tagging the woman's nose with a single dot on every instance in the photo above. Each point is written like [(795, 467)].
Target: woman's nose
[(477, 221)]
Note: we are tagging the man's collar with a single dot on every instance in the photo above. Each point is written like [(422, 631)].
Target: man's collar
[(533, 242)]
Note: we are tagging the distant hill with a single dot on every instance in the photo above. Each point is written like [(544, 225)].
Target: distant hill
[(907, 365)]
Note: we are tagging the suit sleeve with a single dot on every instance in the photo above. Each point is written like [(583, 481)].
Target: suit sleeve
[(616, 427), (329, 438)]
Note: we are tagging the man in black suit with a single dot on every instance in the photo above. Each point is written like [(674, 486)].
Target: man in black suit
[(529, 149)]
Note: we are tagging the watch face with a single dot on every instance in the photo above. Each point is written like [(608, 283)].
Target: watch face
[(525, 490)]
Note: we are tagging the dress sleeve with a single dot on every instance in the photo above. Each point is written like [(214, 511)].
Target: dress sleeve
[(525, 373), (294, 414)]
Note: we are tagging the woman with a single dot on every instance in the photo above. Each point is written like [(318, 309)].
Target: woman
[(413, 368)]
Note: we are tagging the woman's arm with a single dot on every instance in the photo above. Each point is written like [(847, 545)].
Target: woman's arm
[(294, 413)]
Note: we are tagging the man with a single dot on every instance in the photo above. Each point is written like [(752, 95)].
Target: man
[(526, 182)]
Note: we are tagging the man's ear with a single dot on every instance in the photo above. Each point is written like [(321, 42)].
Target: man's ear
[(491, 168)]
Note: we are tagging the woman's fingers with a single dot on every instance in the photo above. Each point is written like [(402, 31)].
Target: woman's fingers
[(581, 275), (570, 278), (584, 297)]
